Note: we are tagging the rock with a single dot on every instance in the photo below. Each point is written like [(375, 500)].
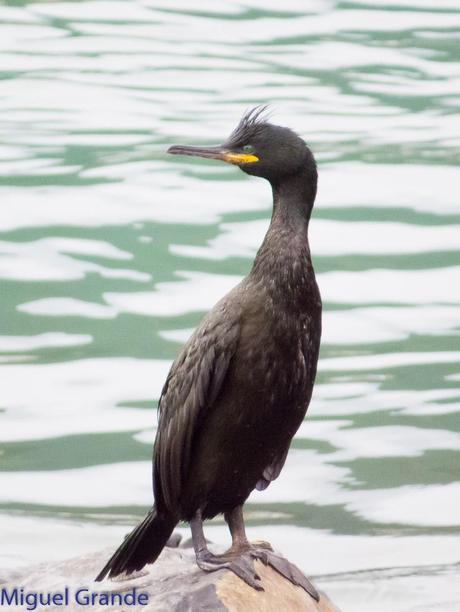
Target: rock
[(173, 584)]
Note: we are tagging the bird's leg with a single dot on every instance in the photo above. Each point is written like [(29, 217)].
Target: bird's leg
[(242, 566), (202, 553), (242, 549), (240, 542), (235, 522)]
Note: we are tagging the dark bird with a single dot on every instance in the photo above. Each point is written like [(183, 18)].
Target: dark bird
[(240, 388)]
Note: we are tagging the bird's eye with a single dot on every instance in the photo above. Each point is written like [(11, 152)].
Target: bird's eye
[(248, 149)]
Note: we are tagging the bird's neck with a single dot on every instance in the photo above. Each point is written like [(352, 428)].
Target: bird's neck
[(293, 199), (283, 261)]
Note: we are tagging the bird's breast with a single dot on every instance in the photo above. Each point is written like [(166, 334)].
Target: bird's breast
[(276, 360)]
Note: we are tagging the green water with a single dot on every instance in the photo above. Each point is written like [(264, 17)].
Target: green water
[(111, 251)]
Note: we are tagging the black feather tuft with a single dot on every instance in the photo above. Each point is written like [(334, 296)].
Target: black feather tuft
[(250, 124)]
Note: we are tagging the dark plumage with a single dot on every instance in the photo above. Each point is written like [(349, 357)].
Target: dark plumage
[(240, 388)]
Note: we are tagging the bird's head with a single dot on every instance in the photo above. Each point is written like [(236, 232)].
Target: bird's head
[(259, 148)]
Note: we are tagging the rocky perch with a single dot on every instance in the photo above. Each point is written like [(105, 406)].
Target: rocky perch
[(173, 584)]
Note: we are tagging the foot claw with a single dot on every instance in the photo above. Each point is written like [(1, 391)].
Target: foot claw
[(290, 571), (242, 566)]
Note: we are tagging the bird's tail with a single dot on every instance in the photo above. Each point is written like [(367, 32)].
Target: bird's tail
[(143, 545)]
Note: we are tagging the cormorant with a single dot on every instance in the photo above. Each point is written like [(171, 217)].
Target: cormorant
[(240, 388)]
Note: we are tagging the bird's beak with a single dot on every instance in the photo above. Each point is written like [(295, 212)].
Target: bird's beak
[(220, 153)]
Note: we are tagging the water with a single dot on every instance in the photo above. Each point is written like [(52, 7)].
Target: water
[(112, 251)]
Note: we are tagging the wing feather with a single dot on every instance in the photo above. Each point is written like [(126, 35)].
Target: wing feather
[(191, 388)]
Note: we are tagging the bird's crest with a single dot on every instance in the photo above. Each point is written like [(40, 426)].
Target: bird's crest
[(250, 124)]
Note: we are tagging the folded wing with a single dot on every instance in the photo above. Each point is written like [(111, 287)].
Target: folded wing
[(192, 387)]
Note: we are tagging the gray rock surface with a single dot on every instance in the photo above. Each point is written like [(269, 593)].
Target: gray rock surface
[(173, 583)]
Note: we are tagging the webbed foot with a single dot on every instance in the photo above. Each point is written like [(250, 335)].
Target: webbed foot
[(241, 565), (284, 567)]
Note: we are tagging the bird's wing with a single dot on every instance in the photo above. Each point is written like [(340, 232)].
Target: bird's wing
[(272, 471), (191, 388)]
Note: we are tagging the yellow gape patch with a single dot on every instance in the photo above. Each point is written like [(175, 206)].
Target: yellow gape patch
[(239, 158)]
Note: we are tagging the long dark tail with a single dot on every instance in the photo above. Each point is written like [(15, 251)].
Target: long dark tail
[(143, 545)]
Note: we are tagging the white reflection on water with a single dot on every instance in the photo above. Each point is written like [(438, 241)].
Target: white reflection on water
[(68, 307), (383, 441), (69, 398), (425, 505), (46, 340), (45, 260), (435, 286), (412, 402)]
